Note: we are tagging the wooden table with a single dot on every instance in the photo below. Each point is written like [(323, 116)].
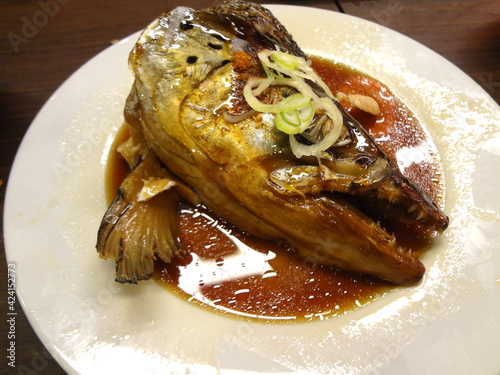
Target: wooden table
[(43, 42)]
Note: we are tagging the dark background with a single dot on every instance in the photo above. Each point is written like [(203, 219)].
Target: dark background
[(465, 32)]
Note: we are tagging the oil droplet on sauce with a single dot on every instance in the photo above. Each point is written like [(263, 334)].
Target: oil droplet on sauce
[(226, 270)]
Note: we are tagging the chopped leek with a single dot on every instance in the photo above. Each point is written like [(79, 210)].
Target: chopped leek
[(295, 121), (295, 114)]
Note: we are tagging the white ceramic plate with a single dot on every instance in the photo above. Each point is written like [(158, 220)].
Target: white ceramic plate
[(449, 324)]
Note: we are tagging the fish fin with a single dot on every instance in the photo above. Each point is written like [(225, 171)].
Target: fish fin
[(296, 180), (258, 24), (135, 232), (308, 180), (135, 146)]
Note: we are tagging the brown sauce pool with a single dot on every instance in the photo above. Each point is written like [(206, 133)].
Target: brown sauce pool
[(228, 271)]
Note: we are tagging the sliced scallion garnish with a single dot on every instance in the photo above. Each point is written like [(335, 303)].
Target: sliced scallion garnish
[(295, 114), (295, 121)]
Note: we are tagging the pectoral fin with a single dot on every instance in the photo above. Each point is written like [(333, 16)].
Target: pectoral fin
[(297, 180), (311, 180), (141, 223)]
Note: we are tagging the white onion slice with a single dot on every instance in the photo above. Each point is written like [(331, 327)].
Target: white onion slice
[(292, 117)]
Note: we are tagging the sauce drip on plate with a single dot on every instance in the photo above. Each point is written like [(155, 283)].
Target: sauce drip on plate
[(226, 270)]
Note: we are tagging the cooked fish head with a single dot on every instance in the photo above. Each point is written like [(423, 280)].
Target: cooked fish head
[(190, 67)]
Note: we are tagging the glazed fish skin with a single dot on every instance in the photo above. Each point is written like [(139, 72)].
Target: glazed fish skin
[(175, 54), (186, 78)]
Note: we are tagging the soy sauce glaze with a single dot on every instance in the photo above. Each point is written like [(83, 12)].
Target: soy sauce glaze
[(226, 270), (234, 272), (396, 130)]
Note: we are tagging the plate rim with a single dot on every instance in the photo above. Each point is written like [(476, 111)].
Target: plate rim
[(18, 160)]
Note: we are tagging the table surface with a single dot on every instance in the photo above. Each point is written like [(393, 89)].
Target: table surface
[(43, 42)]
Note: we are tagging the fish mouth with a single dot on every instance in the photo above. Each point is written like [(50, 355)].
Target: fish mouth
[(362, 173)]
